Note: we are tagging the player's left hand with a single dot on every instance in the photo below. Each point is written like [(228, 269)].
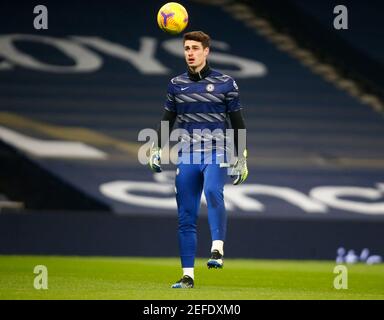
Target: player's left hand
[(240, 170)]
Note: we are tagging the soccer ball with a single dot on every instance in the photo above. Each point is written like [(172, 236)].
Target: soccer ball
[(172, 18)]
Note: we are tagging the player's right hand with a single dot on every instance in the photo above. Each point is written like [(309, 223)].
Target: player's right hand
[(155, 159)]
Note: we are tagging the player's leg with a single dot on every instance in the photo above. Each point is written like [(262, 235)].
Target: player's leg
[(189, 184), (214, 180)]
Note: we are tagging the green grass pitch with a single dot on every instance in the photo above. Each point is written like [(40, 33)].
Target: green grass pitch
[(150, 279)]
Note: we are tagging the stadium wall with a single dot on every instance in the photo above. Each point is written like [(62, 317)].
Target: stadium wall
[(24, 180), (105, 234)]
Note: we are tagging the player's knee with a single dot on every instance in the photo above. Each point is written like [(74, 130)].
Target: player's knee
[(187, 224), (187, 227), (214, 196)]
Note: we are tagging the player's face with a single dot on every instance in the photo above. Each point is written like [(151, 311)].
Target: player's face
[(195, 54)]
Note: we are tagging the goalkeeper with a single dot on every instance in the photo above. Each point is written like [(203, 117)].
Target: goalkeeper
[(202, 98)]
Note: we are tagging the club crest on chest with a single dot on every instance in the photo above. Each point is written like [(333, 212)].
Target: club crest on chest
[(210, 87)]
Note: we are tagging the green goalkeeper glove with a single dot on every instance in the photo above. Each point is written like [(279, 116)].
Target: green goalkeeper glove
[(155, 159), (239, 170)]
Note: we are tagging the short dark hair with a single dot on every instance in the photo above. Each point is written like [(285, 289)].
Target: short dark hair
[(199, 36)]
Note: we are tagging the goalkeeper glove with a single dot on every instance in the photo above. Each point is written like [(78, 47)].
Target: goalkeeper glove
[(154, 159), (239, 170)]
